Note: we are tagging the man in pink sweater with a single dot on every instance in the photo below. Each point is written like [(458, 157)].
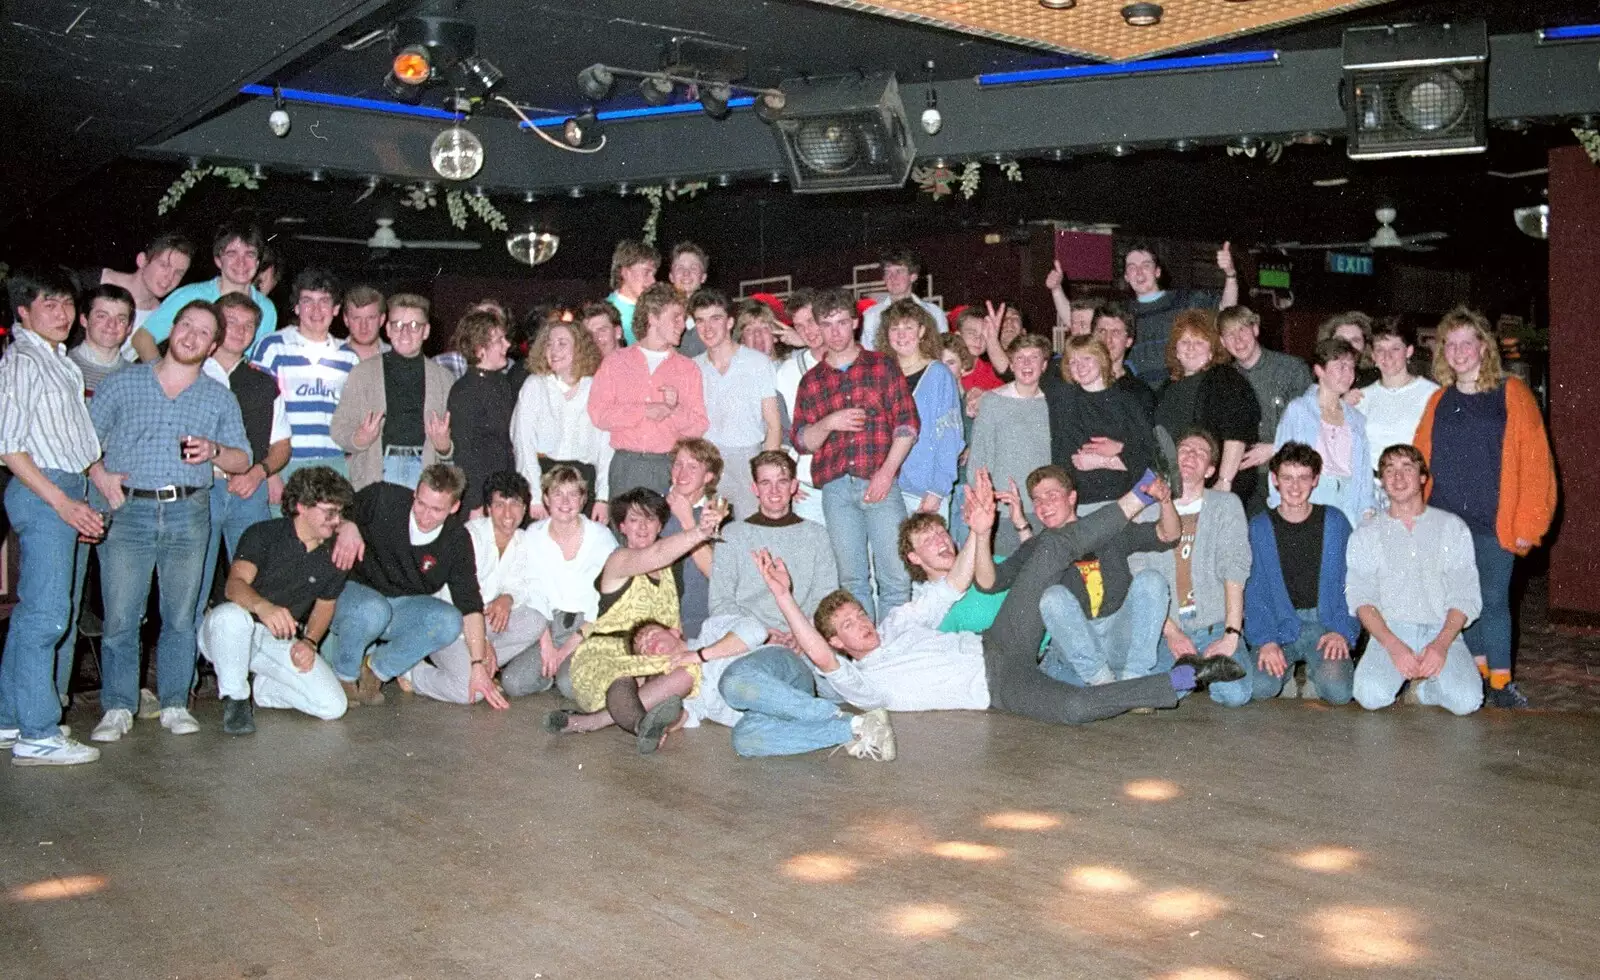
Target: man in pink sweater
[(648, 396)]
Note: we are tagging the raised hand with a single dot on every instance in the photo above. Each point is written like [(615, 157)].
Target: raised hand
[(1225, 259), (1055, 277), (773, 571), (439, 432), (369, 429)]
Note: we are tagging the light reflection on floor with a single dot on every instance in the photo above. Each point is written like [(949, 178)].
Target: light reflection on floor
[(1184, 905), (960, 850), (820, 868), (1021, 820), (53, 889), (1202, 973), (1330, 858), (923, 921), (1152, 790), (1101, 878), (1366, 936)]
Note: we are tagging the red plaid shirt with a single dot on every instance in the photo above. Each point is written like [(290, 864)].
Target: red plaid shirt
[(872, 381)]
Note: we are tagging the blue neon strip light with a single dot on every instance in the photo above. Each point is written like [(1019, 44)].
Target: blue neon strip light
[(1228, 59), (1574, 33), (350, 102), (431, 112)]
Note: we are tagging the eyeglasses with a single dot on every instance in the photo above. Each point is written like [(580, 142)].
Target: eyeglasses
[(407, 326)]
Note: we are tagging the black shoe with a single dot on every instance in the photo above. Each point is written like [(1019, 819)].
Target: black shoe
[(238, 716), (1211, 670), (1505, 697), (556, 721), (653, 727)]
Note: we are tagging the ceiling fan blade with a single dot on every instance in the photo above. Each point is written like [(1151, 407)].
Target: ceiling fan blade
[(1408, 247), (1425, 236), (456, 244), (1319, 245), (333, 239)]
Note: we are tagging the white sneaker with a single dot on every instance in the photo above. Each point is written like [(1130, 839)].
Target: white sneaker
[(874, 737), (11, 736), (149, 704), (57, 750), (179, 721), (113, 725)]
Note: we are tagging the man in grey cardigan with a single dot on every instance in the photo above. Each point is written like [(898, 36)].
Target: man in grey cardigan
[(393, 416), (1206, 573), (737, 588), (1277, 379)]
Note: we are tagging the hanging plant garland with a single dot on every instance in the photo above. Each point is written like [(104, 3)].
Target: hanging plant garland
[(936, 181), (237, 178), (1590, 138), (658, 195), (971, 177)]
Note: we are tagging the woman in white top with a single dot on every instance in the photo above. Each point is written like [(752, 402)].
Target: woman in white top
[(1393, 404), (551, 424), (500, 550), (566, 552)]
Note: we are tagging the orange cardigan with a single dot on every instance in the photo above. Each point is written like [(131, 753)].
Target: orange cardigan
[(1527, 471)]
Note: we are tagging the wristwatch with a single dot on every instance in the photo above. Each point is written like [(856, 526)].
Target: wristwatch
[(1234, 630)]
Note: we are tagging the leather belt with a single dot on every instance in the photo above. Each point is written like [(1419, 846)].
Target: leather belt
[(166, 494)]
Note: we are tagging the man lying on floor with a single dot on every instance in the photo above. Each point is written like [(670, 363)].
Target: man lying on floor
[(790, 705)]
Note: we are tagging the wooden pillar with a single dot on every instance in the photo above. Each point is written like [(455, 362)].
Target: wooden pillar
[(1575, 383)]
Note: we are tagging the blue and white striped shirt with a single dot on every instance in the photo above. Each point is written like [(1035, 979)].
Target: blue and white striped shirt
[(311, 376)]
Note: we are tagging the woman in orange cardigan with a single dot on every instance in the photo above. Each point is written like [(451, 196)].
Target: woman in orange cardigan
[(1485, 443)]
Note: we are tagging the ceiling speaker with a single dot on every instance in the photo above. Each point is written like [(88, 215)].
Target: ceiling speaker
[(1414, 90), (845, 133)]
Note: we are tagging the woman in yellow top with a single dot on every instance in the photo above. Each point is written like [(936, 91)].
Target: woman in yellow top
[(637, 586)]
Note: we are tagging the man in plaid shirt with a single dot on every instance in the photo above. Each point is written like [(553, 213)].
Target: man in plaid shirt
[(854, 412)]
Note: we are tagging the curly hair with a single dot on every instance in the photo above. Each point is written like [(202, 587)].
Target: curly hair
[(585, 353), (1199, 323), (929, 344), (651, 303), (1490, 371), (315, 485), (909, 529), (473, 332)]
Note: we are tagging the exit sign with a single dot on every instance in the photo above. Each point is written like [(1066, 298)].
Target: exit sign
[(1349, 265)]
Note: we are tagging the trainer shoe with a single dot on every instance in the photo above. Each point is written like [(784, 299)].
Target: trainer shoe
[(874, 737), (369, 689), (179, 721), (1211, 670), (11, 736), (238, 716), (113, 725), (57, 750), (149, 705), (1505, 697)]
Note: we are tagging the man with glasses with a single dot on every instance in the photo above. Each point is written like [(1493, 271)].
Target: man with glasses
[(311, 368), (855, 414), (392, 417), (237, 253)]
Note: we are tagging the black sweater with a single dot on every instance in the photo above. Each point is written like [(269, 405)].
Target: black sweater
[(1076, 416), (394, 567), (481, 403)]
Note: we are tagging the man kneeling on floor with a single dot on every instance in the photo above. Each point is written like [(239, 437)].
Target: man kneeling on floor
[(911, 666), (281, 591), (409, 550)]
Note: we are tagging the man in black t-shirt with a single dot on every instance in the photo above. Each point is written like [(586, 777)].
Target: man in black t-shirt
[(281, 591), (391, 614)]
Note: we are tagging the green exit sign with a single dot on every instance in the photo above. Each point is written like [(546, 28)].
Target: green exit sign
[(1349, 265)]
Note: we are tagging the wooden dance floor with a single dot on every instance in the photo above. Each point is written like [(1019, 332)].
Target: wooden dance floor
[(419, 840)]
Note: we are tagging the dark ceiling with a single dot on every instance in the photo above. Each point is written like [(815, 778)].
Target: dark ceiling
[(84, 95)]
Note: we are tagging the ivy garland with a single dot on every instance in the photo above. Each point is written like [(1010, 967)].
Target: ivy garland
[(1590, 138), (657, 195), (236, 177)]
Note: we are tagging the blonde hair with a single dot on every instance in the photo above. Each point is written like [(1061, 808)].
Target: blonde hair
[(1491, 374), (1087, 344), (585, 354)]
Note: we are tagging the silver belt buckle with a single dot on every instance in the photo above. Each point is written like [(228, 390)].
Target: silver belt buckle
[(167, 494)]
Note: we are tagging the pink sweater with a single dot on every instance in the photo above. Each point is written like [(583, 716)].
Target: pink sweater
[(624, 386)]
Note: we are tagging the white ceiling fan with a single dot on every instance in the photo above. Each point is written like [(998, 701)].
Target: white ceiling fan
[(1384, 237), (385, 238)]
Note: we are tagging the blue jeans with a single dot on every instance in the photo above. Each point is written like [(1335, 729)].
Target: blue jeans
[(1120, 646), (1331, 678), (866, 543), (777, 692), (1457, 687), (230, 517), (1489, 636), (410, 627), (404, 470), (1232, 694), (167, 538), (958, 521), (44, 622)]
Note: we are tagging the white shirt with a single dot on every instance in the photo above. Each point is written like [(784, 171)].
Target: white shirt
[(502, 573), (709, 705), (788, 375), (547, 421), (917, 668), (874, 313), (556, 584), (1393, 413), (1416, 574), (733, 398)]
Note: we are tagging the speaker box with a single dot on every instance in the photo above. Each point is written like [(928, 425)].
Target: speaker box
[(1414, 90), (845, 133)]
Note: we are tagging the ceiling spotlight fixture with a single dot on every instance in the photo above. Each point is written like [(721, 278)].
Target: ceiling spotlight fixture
[(409, 71), (575, 192), (622, 189), (1142, 14), (1122, 150), (1533, 221), (769, 107), (456, 154), (316, 175), (1058, 4), (776, 177), (1516, 124), (596, 82), (258, 172), (724, 180), (1058, 154), (482, 73), (714, 99), (581, 130), (1185, 145), (528, 197), (429, 48), (1309, 138), (278, 120), (932, 119), (655, 89)]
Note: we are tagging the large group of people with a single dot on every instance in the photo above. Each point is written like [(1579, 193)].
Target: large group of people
[(791, 515)]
